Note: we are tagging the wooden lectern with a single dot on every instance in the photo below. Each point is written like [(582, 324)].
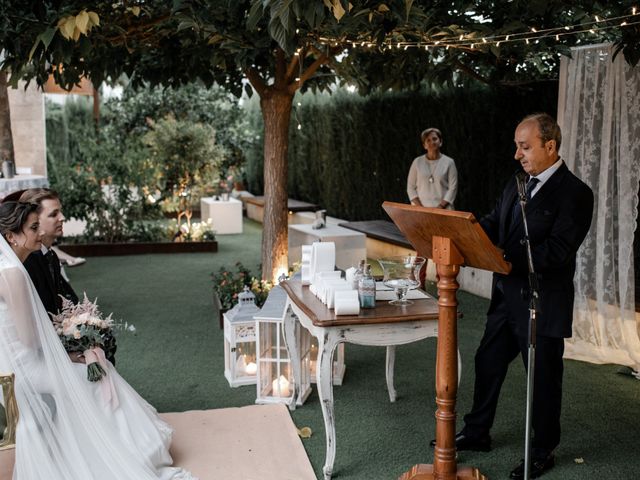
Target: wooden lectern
[(451, 239)]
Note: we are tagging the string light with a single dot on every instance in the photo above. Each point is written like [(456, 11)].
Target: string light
[(532, 35)]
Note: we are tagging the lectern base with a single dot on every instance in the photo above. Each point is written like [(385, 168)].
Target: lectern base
[(425, 472)]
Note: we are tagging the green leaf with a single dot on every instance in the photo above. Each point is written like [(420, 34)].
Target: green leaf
[(45, 37), (278, 33), (255, 14), (407, 7), (185, 24)]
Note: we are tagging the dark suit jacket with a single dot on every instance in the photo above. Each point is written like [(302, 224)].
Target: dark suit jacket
[(559, 217), (38, 268)]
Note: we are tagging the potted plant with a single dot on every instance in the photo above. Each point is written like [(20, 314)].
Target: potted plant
[(229, 283)]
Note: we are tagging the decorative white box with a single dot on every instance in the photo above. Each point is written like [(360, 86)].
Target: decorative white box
[(350, 245), (226, 215)]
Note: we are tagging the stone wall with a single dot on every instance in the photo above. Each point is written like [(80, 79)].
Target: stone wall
[(28, 128)]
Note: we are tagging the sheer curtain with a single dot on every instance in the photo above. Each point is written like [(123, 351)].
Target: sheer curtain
[(599, 112)]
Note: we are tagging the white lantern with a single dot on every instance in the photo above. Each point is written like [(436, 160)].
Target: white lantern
[(240, 367), (275, 382)]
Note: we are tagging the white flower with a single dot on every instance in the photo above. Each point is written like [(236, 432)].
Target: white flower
[(69, 325)]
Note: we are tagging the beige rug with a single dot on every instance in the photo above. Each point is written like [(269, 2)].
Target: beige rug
[(248, 443)]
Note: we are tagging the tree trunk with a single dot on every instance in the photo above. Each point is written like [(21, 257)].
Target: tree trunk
[(276, 112), (6, 139)]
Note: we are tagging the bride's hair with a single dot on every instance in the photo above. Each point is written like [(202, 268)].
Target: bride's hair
[(13, 216)]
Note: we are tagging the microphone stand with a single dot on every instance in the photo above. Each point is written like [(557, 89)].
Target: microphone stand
[(533, 309)]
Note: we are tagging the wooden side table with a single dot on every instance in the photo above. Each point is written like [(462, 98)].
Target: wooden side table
[(385, 325)]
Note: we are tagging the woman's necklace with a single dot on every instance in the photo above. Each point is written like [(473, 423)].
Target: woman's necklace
[(430, 179)]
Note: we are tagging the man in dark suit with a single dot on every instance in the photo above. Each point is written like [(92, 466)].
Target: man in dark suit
[(44, 266), (558, 214)]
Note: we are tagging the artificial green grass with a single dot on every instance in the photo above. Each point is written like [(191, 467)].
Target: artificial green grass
[(176, 362)]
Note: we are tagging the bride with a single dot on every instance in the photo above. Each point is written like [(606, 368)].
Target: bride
[(67, 430)]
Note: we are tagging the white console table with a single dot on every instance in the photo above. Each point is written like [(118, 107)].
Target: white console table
[(351, 246), (386, 325), (226, 215)]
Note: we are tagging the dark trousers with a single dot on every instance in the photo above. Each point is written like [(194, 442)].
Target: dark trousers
[(500, 345)]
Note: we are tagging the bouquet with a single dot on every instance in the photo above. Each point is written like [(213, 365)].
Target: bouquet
[(82, 329)]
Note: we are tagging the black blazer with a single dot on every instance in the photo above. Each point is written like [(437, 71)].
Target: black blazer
[(38, 268), (559, 217)]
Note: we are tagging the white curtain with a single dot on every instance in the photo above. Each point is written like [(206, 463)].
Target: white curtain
[(599, 113)]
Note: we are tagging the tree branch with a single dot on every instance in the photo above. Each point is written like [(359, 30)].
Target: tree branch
[(293, 64), (311, 69), (280, 80), (256, 81), (470, 71)]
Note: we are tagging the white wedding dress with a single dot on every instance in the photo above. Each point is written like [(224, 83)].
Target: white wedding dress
[(67, 429)]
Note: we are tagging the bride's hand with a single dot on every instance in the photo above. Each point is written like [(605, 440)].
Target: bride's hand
[(76, 357)]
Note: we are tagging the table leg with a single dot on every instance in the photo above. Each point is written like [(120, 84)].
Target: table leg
[(391, 361), (289, 330), (327, 343)]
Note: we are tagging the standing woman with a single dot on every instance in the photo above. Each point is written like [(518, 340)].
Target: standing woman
[(433, 178)]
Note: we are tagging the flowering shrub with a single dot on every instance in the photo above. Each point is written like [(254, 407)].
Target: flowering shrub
[(191, 232), (229, 284)]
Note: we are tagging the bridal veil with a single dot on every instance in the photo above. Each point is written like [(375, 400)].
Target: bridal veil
[(63, 432)]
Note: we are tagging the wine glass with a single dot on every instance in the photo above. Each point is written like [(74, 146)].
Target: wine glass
[(401, 273)]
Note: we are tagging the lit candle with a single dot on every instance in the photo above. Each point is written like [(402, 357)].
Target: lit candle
[(280, 387), (251, 369)]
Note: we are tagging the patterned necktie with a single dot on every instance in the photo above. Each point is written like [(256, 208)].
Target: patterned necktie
[(531, 184)]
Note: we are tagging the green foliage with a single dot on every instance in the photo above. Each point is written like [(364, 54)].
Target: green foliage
[(185, 158), (101, 175), (108, 176), (174, 43), (228, 284), (352, 153), (191, 231)]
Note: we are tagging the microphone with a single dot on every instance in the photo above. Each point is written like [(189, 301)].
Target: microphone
[(521, 181)]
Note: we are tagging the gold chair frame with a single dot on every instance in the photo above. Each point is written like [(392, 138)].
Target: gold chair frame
[(7, 383)]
